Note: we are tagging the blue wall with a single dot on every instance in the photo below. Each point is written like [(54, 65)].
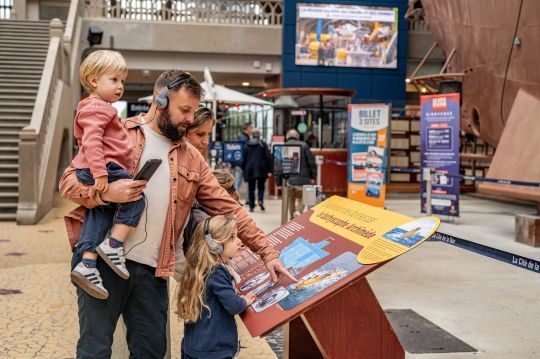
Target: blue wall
[(371, 85)]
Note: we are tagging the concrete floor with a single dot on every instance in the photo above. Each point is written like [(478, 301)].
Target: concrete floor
[(40, 319), (490, 305)]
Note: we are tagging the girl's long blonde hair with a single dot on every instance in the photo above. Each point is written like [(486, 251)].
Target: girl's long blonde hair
[(200, 263)]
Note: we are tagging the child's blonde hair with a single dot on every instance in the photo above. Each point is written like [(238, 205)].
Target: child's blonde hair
[(200, 263), (99, 63)]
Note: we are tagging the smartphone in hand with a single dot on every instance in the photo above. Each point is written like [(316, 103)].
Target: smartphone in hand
[(147, 170)]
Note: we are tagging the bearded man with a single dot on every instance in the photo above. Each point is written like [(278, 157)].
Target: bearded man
[(153, 250)]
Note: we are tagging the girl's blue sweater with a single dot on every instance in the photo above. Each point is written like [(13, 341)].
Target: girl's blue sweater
[(215, 336)]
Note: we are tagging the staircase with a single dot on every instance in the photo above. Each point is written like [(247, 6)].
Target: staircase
[(23, 48)]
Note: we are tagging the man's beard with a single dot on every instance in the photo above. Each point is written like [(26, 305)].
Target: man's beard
[(168, 129)]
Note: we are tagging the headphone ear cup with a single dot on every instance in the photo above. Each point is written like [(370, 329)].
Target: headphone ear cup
[(162, 100), (216, 248)]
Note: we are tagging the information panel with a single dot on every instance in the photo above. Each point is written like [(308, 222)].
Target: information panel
[(368, 152), (439, 136), (327, 247), (287, 159), (233, 152)]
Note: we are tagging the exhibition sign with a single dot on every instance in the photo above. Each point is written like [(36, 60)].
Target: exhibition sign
[(368, 153), (326, 249), (233, 152), (135, 108), (287, 160), (346, 35), (439, 137)]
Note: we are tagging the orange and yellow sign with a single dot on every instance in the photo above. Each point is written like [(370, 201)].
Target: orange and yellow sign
[(368, 147), (382, 234)]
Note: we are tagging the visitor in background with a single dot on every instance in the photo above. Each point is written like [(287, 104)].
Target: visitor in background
[(308, 174), (243, 137), (256, 167)]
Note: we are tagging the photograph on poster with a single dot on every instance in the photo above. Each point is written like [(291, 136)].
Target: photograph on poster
[(320, 279), (375, 159), (269, 299), (374, 184), (358, 166), (301, 253), (255, 281), (375, 171), (346, 35), (411, 233), (262, 288)]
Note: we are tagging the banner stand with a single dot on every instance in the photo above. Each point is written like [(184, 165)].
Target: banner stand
[(350, 324)]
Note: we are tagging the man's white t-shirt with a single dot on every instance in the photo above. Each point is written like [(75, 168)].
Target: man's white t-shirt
[(143, 243)]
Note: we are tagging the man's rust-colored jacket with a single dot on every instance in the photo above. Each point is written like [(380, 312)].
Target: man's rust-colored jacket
[(191, 178)]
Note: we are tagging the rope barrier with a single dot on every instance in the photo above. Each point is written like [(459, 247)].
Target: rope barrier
[(462, 177), (506, 257), (468, 178)]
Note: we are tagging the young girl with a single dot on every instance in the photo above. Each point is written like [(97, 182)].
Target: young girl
[(105, 155), (207, 301)]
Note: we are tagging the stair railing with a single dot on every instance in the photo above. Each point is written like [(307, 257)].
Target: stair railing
[(46, 141)]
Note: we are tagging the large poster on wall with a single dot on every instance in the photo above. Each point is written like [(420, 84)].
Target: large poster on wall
[(439, 137), (346, 35), (326, 248), (368, 153)]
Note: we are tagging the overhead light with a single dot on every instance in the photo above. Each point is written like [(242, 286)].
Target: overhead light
[(146, 73), (245, 84), (285, 101), (95, 34), (407, 80), (423, 90)]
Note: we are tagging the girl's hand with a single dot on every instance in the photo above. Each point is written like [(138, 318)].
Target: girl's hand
[(101, 183), (249, 298)]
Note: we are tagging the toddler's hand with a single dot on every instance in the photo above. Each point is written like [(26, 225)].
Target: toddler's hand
[(101, 183), (249, 298)]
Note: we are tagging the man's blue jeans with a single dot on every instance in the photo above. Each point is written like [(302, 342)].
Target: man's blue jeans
[(142, 301)]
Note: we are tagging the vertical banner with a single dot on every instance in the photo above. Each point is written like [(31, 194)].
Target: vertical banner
[(439, 136), (368, 152)]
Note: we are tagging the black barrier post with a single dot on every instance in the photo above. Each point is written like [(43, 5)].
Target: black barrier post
[(284, 199), (427, 178)]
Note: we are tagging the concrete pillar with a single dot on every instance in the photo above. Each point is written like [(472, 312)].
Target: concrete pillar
[(18, 11)]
